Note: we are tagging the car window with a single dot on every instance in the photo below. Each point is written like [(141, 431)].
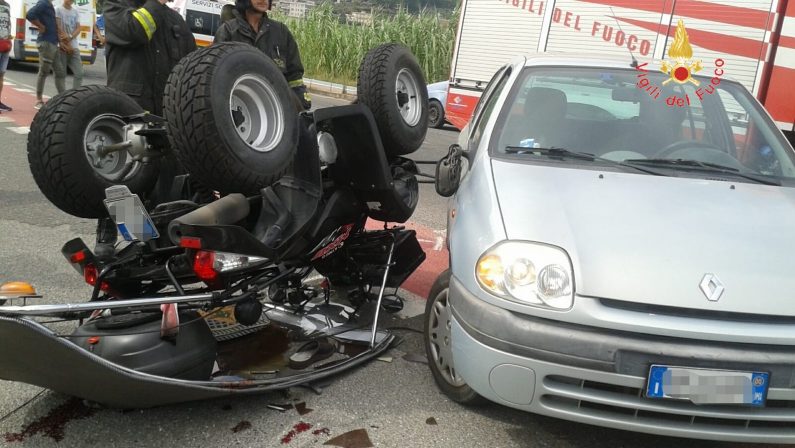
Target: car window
[(485, 106), (607, 113)]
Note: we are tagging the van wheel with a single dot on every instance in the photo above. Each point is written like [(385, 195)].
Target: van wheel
[(65, 150), (231, 118), (438, 346), (392, 85)]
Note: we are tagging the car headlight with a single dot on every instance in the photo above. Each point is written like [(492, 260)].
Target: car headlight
[(530, 273)]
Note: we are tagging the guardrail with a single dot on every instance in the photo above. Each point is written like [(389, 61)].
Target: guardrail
[(330, 89)]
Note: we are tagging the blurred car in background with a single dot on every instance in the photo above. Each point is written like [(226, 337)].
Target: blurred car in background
[(437, 98)]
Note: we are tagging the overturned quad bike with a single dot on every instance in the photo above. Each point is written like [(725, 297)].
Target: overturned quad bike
[(183, 302)]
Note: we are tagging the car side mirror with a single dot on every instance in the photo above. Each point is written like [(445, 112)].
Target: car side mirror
[(448, 172)]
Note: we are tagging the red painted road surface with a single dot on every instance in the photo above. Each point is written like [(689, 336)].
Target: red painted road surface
[(432, 241), (22, 103)]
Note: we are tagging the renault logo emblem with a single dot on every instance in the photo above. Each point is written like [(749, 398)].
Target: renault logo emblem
[(711, 287)]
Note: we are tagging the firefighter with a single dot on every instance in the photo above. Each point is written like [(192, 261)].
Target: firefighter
[(145, 40), (250, 24)]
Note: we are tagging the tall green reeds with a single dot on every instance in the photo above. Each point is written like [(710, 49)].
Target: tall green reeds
[(332, 51)]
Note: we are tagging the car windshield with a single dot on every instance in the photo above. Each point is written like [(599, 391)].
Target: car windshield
[(612, 115)]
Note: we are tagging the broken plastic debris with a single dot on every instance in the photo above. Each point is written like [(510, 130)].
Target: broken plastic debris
[(279, 407), (414, 357), (242, 426), (302, 409), (357, 438), (385, 358), (430, 421)]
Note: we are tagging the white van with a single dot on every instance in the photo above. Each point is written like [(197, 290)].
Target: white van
[(25, 33), (203, 17)]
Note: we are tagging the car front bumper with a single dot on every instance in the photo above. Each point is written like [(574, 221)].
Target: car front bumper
[(596, 376)]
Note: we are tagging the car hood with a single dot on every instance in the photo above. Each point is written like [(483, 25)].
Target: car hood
[(653, 239)]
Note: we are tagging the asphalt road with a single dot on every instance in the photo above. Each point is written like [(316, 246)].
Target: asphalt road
[(395, 402)]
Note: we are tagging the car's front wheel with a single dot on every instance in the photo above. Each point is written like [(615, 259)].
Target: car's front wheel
[(435, 114), (438, 344)]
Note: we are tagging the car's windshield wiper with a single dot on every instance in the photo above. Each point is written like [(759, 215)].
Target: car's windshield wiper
[(703, 166), (565, 153)]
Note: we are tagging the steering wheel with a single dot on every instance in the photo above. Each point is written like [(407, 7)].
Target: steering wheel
[(698, 151)]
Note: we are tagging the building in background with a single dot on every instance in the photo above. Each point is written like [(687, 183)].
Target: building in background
[(295, 8)]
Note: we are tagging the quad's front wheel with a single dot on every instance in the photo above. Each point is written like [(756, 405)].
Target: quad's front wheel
[(392, 85), (438, 344), (231, 118), (67, 150)]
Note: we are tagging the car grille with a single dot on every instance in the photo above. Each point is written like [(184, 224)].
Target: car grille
[(598, 401), (697, 314)]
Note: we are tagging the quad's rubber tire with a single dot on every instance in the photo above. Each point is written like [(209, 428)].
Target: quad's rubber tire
[(231, 116), (435, 114), (59, 157), (438, 346), (392, 85)]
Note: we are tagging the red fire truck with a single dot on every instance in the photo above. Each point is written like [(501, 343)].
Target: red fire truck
[(755, 38)]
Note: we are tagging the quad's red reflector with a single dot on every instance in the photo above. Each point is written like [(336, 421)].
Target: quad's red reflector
[(93, 340), (78, 257), (90, 275), (203, 266), (190, 242)]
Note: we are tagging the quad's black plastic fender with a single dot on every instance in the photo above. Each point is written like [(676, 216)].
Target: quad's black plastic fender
[(35, 355)]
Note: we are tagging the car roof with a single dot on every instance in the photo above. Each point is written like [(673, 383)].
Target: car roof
[(602, 61)]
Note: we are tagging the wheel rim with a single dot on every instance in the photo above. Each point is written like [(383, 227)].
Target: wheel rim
[(439, 339), (407, 90), (433, 115), (254, 108), (108, 129)]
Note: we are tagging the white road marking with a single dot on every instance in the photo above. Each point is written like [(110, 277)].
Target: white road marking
[(22, 130), (6, 120), (25, 90)]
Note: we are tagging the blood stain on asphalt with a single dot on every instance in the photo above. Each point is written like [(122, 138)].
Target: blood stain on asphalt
[(298, 428), (54, 423)]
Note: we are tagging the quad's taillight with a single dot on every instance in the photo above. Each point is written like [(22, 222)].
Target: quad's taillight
[(90, 275), (203, 262), (208, 265)]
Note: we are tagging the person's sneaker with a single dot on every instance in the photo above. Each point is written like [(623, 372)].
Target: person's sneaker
[(5, 108), (39, 105)]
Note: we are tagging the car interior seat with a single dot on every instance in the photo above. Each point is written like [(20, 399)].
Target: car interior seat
[(543, 119)]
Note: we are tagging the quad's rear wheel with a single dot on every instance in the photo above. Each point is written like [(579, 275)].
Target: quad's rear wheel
[(67, 150), (231, 118), (392, 85)]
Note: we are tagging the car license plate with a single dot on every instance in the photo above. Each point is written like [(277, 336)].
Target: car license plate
[(707, 386)]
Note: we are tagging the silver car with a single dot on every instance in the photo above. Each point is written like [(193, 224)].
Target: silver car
[(621, 252)]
